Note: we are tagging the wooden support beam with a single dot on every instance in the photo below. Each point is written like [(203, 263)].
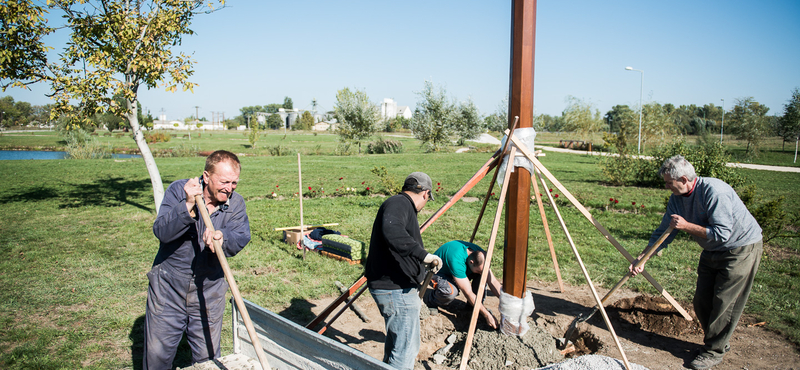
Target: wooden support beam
[(546, 227), (588, 279), (476, 308), (523, 39)]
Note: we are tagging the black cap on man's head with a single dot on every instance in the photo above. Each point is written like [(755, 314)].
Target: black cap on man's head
[(419, 181)]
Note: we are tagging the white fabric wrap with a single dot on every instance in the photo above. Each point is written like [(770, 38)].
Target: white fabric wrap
[(527, 136), (514, 313)]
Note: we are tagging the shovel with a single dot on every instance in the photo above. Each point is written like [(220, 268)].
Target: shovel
[(581, 318), (237, 297), (427, 280)]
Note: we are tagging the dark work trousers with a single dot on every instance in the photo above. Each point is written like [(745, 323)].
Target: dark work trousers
[(445, 289), (178, 303), (724, 280)]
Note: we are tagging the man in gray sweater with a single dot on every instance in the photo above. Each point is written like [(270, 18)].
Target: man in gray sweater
[(711, 211)]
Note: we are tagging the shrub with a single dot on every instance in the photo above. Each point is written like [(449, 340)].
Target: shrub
[(768, 212), (344, 148), (156, 137), (180, 151), (384, 147), (709, 160), (81, 145), (280, 150), (390, 185)]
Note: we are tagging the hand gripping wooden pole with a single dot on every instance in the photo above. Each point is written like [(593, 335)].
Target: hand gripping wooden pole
[(237, 297), (476, 308)]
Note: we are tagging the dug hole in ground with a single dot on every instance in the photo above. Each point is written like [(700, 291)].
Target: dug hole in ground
[(653, 335)]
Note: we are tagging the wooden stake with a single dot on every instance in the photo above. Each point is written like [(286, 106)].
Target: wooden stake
[(237, 296), (588, 279), (302, 224), (306, 226), (600, 227), (546, 228), (494, 161), (487, 264)]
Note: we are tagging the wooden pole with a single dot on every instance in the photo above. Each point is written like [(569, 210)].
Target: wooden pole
[(538, 195), (302, 224), (588, 280), (476, 308), (492, 162), (306, 226), (599, 227), (523, 40), (503, 152), (237, 296)]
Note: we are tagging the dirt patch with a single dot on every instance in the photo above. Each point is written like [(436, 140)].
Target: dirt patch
[(651, 332)]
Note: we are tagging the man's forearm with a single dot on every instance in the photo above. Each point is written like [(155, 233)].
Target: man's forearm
[(696, 230)]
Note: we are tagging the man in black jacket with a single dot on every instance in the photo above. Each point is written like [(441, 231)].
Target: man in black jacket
[(394, 268)]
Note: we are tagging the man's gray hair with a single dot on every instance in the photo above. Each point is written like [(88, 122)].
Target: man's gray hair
[(676, 167)]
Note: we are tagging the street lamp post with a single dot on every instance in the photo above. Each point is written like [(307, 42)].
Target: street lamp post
[(641, 107), (722, 127)]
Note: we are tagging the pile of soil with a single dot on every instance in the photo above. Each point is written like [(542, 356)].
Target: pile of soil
[(651, 332)]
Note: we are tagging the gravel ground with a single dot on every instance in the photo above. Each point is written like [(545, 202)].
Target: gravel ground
[(594, 362)]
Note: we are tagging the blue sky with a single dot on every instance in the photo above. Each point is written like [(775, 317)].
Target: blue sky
[(257, 52)]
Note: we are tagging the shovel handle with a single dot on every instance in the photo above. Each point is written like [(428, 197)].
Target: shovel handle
[(237, 296), (427, 280), (640, 263)]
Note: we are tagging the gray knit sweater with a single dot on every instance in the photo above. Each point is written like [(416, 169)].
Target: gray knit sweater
[(714, 205)]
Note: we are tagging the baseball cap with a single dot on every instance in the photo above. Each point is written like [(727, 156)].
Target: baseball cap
[(419, 180)]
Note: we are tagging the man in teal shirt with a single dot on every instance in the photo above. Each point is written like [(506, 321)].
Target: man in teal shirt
[(461, 271)]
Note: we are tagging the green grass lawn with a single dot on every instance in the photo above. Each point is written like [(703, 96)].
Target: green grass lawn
[(77, 240)]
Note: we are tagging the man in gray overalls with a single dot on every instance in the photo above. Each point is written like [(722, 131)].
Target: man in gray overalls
[(187, 284)]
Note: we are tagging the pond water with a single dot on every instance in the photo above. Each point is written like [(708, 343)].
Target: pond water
[(38, 154)]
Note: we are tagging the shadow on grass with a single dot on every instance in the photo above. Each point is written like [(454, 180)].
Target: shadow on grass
[(107, 192), (137, 342), (299, 311)]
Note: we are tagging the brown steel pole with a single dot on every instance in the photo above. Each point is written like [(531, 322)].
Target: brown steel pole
[(523, 35)]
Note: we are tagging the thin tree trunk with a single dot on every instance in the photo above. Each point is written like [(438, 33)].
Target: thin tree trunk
[(149, 161), (795, 148)]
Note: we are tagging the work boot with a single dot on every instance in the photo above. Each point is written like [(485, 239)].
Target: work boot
[(705, 361)]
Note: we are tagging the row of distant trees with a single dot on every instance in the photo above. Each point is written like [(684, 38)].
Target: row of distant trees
[(20, 113), (747, 120), (437, 120)]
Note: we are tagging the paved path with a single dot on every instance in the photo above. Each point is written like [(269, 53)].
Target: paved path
[(736, 165)]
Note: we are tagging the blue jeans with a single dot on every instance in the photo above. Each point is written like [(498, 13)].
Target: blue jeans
[(400, 309)]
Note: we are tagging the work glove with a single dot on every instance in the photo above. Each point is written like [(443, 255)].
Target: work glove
[(434, 262)]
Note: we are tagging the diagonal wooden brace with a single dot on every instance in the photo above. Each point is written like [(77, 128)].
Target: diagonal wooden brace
[(522, 148)]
